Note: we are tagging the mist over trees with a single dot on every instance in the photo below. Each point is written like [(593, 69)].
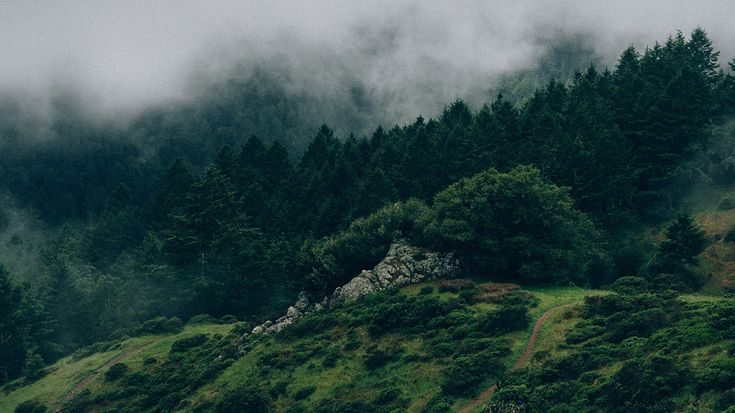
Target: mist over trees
[(185, 212)]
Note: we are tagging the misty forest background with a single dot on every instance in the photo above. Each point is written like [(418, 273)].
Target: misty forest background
[(235, 202)]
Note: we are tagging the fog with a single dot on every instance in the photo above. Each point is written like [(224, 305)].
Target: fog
[(408, 57)]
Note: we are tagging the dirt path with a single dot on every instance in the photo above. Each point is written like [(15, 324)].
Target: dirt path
[(520, 362), (85, 382)]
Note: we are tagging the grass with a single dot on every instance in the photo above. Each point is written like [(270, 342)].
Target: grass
[(413, 372), (66, 373)]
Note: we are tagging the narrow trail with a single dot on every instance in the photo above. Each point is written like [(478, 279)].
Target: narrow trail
[(520, 362), (92, 376)]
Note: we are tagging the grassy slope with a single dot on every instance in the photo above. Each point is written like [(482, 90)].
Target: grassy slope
[(420, 379), (66, 373), (412, 373)]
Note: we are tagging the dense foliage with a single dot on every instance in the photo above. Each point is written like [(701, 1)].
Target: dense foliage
[(636, 351)]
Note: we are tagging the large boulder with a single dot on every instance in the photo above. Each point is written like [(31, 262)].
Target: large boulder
[(403, 265)]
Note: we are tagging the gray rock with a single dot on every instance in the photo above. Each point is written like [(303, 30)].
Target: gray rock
[(403, 265)]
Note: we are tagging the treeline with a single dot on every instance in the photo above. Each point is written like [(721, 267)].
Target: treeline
[(540, 193)]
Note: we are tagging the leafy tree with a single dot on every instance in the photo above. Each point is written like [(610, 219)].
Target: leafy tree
[(515, 225)]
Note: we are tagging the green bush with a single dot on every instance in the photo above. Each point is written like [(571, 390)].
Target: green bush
[(505, 319), (439, 404), (730, 235), (726, 203), (244, 399), (31, 406), (376, 357), (116, 371), (426, 290), (465, 373), (304, 392), (186, 343), (202, 319), (331, 357), (159, 325)]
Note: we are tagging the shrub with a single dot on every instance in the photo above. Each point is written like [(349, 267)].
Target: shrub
[(439, 404), (229, 319), (159, 325), (95, 348), (505, 319), (186, 343), (726, 203), (244, 399), (115, 371), (331, 358), (376, 357), (202, 319), (277, 389), (304, 392), (467, 372), (455, 286), (31, 406), (730, 235), (426, 290), (630, 285)]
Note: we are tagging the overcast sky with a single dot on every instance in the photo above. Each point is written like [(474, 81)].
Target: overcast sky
[(125, 53)]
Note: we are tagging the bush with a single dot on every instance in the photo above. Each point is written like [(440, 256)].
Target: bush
[(116, 371), (387, 395), (426, 290), (304, 392), (331, 358), (186, 343), (31, 406), (376, 357), (439, 404), (159, 325), (726, 204), (229, 319), (465, 373), (730, 235), (95, 348), (630, 285), (505, 319), (202, 319), (245, 399)]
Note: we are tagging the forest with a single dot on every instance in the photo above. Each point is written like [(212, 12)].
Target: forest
[(178, 215)]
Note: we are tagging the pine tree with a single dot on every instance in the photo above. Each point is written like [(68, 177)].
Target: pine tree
[(676, 261)]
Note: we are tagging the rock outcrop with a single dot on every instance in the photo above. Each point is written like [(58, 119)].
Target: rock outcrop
[(403, 265)]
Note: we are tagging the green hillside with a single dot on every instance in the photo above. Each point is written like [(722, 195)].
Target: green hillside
[(328, 356), (429, 347)]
